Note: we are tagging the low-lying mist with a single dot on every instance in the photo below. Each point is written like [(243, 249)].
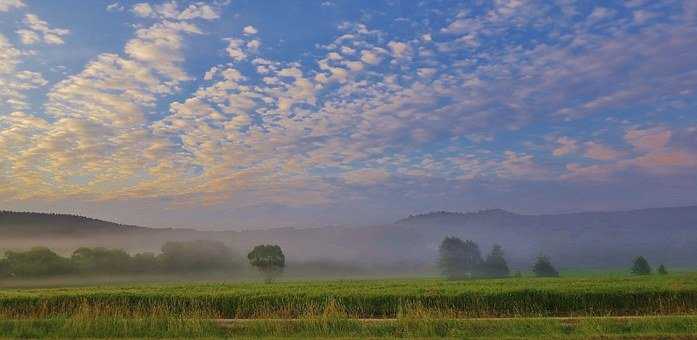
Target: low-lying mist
[(405, 248)]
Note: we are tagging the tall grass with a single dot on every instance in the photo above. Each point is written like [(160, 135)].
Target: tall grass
[(366, 299)]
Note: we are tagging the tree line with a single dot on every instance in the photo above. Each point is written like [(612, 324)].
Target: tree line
[(458, 259), (175, 257)]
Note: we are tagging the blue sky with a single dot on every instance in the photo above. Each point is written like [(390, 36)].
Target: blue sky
[(252, 114)]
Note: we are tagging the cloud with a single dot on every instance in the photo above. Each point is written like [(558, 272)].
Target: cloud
[(143, 10), (517, 165), (370, 57), (198, 10), (13, 82), (115, 7), (366, 176), (234, 49), (249, 30), (98, 138), (28, 37), (426, 72), (170, 10), (38, 30), (601, 152), (399, 49), (648, 139), (473, 105), (566, 146), (6, 5)]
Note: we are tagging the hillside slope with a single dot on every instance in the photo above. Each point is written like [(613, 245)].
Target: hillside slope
[(14, 223)]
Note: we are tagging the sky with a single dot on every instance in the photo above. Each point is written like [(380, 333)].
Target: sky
[(248, 114)]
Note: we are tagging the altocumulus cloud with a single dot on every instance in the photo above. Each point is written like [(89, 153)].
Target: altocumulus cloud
[(497, 96)]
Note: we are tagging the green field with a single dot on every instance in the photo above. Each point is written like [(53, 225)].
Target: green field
[(515, 307)]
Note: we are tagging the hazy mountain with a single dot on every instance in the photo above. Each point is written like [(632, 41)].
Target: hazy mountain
[(589, 239)]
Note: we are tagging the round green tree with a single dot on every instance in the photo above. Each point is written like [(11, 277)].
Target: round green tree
[(641, 266), (268, 259)]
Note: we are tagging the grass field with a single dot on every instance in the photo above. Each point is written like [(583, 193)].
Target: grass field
[(515, 307)]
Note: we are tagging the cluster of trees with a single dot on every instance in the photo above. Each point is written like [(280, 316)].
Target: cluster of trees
[(190, 256), (460, 259), (641, 267), (176, 257)]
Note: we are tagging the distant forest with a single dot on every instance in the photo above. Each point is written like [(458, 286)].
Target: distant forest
[(176, 257)]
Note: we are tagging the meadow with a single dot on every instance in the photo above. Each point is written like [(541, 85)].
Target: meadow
[(512, 307)]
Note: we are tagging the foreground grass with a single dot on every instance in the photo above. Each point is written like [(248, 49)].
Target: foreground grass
[(648, 327), (514, 297)]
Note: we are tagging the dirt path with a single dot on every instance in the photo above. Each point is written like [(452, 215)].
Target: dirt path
[(570, 319)]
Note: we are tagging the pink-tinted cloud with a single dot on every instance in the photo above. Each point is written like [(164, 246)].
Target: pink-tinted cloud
[(601, 152), (649, 139)]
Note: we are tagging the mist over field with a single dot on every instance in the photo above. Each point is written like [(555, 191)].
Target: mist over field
[(408, 247)]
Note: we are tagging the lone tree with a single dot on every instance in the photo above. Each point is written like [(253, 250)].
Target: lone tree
[(641, 266), (495, 264), (543, 267), (269, 259), (662, 270), (459, 259)]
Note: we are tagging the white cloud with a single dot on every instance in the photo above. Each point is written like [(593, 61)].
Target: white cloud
[(199, 10), (370, 57), (253, 45), (249, 30), (14, 82), (399, 49), (170, 10), (6, 5), (143, 10), (37, 29), (234, 49), (28, 37), (115, 7)]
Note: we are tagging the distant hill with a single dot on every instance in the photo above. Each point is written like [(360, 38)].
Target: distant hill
[(15, 224), (586, 239)]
